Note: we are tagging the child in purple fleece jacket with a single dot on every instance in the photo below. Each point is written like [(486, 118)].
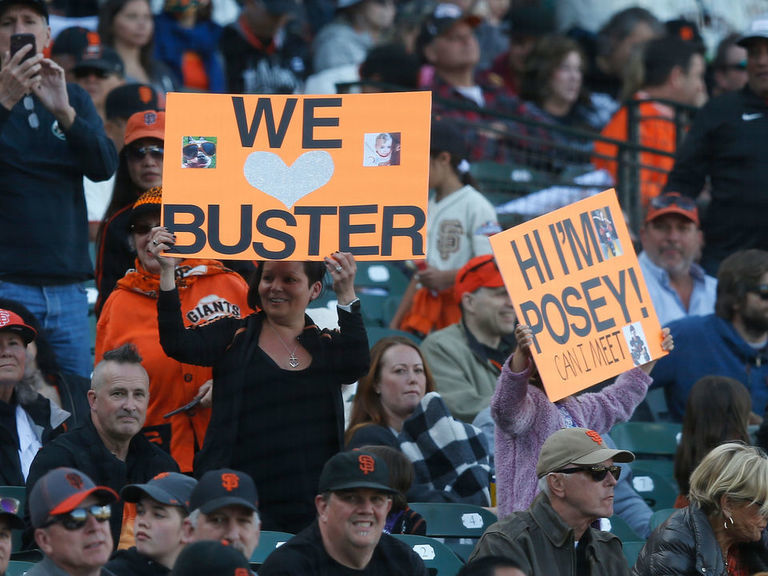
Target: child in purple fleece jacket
[(525, 417)]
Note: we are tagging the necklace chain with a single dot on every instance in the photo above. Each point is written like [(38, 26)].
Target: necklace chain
[(293, 360)]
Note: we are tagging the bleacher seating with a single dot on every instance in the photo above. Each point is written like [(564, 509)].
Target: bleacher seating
[(437, 557), (460, 524)]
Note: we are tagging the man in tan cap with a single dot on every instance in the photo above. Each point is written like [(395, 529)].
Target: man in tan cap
[(577, 475)]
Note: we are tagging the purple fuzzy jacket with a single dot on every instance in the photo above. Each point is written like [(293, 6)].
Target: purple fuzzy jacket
[(525, 417)]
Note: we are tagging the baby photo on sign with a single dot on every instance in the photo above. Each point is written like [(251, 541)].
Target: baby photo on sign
[(382, 149), (606, 233), (638, 346), (198, 152)]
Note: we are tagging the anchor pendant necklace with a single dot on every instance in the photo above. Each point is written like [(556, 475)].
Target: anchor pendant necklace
[(293, 361)]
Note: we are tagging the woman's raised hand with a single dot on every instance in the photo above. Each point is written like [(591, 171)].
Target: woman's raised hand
[(342, 268), (160, 240)]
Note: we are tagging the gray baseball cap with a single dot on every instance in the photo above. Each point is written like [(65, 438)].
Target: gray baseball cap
[(62, 490)]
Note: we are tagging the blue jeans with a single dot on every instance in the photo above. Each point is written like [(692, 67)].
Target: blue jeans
[(63, 313)]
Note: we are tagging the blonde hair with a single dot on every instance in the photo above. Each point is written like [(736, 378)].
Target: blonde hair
[(734, 470)]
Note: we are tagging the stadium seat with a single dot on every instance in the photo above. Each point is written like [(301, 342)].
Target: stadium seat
[(622, 530), (632, 550), (647, 439), (268, 542), (376, 333), (18, 568), (659, 517), (657, 489), (460, 524), (437, 557)]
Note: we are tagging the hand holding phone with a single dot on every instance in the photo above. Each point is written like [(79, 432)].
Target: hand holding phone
[(18, 41)]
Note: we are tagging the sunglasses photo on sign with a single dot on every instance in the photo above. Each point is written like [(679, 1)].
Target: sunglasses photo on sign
[(198, 152)]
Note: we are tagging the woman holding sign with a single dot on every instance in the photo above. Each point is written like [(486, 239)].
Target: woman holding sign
[(277, 407), (525, 417)]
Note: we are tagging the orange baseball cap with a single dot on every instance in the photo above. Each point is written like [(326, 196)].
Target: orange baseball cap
[(145, 124)]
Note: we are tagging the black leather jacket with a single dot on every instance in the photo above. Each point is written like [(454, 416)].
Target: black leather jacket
[(685, 544)]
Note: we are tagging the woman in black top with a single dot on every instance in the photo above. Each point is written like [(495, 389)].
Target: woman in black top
[(277, 407)]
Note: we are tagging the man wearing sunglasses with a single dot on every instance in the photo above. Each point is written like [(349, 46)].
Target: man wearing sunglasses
[(732, 342), (99, 70), (70, 514), (723, 146), (577, 476)]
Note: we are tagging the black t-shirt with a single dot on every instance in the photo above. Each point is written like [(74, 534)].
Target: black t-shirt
[(304, 555)]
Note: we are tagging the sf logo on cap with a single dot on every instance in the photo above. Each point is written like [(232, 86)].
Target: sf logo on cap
[(4, 317), (594, 436), (75, 480), (367, 463), (229, 481)]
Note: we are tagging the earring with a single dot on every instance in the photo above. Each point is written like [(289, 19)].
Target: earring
[(725, 524)]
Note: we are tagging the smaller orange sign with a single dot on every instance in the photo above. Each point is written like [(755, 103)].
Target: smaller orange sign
[(574, 278), (297, 177)]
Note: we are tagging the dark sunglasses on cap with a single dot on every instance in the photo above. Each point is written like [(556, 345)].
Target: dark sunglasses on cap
[(78, 517), (10, 505), (598, 473), (667, 200), (190, 150), (761, 290), (139, 153)]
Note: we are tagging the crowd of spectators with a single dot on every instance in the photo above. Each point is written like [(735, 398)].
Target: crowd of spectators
[(216, 370)]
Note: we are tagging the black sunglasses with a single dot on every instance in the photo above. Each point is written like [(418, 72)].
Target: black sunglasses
[(598, 473), (190, 150), (761, 290), (139, 153), (78, 517), (81, 73), (667, 200), (142, 229)]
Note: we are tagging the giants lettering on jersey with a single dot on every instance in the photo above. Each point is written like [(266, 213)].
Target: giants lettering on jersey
[(211, 307)]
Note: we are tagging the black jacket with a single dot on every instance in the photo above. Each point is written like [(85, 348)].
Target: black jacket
[(83, 449), (685, 544), (47, 418), (280, 427), (131, 562), (725, 143)]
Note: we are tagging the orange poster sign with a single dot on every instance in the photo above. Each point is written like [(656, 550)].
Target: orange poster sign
[(574, 278), (251, 177)]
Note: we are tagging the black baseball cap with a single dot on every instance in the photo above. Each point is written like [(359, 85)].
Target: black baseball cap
[(74, 40), (169, 488), (355, 469), (100, 57), (40, 5), (225, 487), (124, 101), (443, 17), (9, 509), (210, 558)]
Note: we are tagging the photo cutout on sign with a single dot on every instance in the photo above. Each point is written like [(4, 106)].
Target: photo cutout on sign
[(382, 149), (198, 152), (637, 344), (606, 233)]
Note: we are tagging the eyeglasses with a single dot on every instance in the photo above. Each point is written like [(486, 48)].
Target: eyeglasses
[(598, 473), (142, 229), (10, 505), (85, 72), (139, 153), (78, 517), (761, 290), (191, 150), (667, 200), (29, 106)]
